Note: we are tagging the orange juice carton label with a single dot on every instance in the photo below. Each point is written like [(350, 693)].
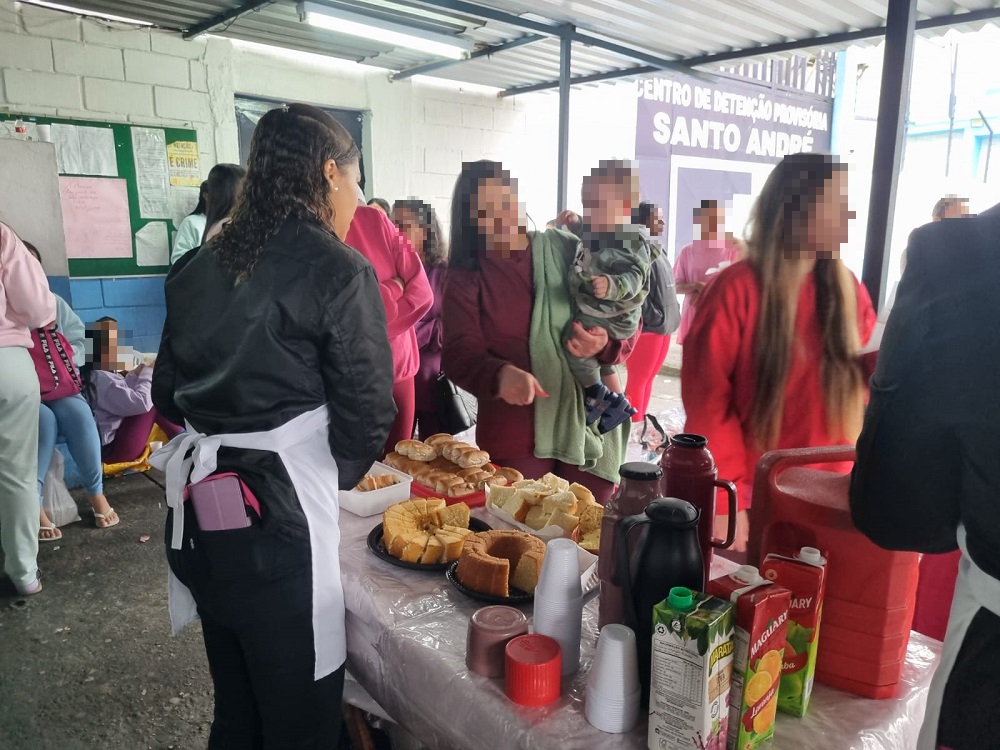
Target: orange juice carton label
[(692, 659), (804, 574), (761, 609)]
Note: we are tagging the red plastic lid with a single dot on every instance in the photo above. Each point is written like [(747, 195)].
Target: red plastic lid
[(533, 674)]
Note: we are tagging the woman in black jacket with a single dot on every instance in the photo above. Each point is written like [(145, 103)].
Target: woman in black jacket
[(275, 354)]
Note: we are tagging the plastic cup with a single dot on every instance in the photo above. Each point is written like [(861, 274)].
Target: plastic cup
[(560, 619), (532, 674), (612, 717), (490, 630), (615, 672), (613, 692), (560, 576)]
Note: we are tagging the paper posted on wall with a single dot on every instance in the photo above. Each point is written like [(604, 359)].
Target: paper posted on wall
[(96, 217), (151, 245), (149, 147)]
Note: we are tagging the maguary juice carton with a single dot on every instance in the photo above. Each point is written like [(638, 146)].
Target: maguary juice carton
[(759, 638), (805, 576), (692, 659)]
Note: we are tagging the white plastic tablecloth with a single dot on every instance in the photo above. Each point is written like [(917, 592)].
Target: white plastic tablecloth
[(406, 635)]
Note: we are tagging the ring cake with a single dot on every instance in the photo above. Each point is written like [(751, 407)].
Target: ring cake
[(494, 561)]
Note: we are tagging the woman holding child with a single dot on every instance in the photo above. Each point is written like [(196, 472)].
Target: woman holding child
[(506, 312)]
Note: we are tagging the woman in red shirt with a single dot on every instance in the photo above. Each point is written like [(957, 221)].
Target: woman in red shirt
[(771, 360), (406, 294), (488, 304)]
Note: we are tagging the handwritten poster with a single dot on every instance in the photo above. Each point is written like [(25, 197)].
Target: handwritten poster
[(151, 245), (185, 168), (96, 217), (149, 145)]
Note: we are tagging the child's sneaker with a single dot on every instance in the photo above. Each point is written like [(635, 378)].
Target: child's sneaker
[(596, 401), (617, 411)]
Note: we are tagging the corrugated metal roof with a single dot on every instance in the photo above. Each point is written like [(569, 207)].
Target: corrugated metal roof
[(669, 29)]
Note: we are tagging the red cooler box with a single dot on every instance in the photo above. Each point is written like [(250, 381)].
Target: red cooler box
[(870, 592)]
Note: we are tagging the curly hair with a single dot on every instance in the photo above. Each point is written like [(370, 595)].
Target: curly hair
[(284, 180), (434, 250)]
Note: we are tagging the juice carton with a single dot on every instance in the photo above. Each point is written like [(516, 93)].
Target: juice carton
[(805, 576), (761, 627), (692, 659)]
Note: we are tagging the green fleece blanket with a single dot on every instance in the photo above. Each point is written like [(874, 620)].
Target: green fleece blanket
[(561, 431)]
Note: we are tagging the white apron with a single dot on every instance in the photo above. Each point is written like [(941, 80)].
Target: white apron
[(303, 446), (975, 589)]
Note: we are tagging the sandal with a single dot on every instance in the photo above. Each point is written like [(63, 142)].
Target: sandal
[(104, 517), (617, 411), (35, 587), (596, 404), (51, 529)]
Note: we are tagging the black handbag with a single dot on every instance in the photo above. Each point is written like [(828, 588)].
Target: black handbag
[(458, 409)]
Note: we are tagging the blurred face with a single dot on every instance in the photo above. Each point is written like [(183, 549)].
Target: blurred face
[(412, 229), (711, 220), (830, 219), (955, 210), (106, 333), (605, 206), (497, 213), (345, 194), (656, 224)]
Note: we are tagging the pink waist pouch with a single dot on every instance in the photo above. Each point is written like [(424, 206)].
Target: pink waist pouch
[(220, 502)]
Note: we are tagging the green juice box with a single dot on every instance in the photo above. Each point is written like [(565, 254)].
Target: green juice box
[(804, 574), (691, 668)]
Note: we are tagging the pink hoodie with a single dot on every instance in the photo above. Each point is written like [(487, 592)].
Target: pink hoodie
[(374, 236), (25, 299)]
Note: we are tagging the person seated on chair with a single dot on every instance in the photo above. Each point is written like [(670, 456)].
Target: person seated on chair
[(118, 397), (71, 418)]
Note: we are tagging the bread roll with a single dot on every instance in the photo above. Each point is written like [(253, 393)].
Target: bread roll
[(439, 439), (470, 457), (511, 475), (450, 450), (393, 460), (416, 450), (461, 490)]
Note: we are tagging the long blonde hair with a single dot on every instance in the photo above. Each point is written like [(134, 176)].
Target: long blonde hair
[(778, 229)]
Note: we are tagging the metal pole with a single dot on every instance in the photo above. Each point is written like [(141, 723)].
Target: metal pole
[(889, 134), (565, 73), (951, 110), (989, 146)]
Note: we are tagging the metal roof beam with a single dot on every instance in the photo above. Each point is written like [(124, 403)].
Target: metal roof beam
[(559, 31), (230, 15), (485, 52), (956, 19)]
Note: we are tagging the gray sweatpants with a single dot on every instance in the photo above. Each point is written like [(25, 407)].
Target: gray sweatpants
[(19, 399)]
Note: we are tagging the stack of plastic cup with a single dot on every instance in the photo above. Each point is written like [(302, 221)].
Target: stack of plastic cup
[(559, 600), (613, 689)]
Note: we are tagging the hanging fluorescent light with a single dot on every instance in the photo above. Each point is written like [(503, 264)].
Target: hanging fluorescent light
[(398, 35)]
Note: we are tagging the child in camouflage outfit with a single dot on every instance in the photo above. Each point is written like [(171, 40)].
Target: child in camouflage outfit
[(609, 281)]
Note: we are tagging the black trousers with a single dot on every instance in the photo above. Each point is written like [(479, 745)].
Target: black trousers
[(253, 588), (265, 695)]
